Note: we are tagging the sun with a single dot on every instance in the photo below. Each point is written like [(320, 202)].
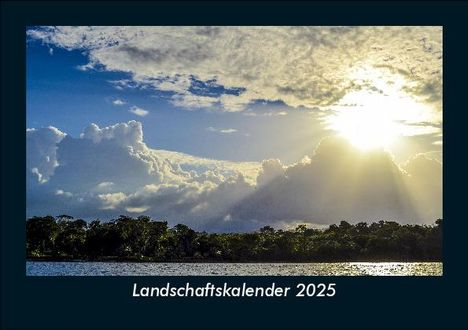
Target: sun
[(370, 120), (366, 128), (376, 116)]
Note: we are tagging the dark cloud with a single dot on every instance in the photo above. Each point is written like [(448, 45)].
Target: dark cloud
[(338, 183)]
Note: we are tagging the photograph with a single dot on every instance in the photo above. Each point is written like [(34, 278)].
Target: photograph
[(234, 150)]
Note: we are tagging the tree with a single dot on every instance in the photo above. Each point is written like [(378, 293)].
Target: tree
[(141, 238), (40, 235), (185, 240), (71, 239)]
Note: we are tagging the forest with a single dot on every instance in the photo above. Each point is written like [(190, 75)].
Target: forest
[(143, 239)]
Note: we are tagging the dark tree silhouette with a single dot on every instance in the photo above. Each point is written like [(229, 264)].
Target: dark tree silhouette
[(143, 239)]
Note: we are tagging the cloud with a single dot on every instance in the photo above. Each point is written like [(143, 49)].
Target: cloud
[(138, 111), (111, 201), (41, 152), (118, 102), (222, 131), (105, 186), (426, 193), (338, 183), (190, 101), (230, 68), (265, 114), (271, 169), (213, 169), (123, 134), (109, 171), (60, 192)]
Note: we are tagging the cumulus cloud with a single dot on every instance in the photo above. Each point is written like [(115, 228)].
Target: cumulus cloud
[(271, 169), (301, 66), (109, 171), (41, 152), (341, 183), (123, 134)]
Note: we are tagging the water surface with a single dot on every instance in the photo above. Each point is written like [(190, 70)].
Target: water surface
[(39, 268)]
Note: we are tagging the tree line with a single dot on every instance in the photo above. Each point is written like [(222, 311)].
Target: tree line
[(143, 239)]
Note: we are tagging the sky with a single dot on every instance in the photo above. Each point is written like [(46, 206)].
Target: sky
[(233, 128)]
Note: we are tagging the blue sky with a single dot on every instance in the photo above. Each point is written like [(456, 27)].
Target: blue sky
[(61, 95)]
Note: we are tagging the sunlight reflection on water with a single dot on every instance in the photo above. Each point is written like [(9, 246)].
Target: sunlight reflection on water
[(34, 268)]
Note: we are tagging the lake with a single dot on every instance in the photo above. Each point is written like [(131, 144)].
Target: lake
[(39, 268)]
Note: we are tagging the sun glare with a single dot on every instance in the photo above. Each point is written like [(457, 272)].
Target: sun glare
[(366, 129), (376, 118)]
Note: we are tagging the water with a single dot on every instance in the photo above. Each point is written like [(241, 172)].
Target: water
[(35, 268)]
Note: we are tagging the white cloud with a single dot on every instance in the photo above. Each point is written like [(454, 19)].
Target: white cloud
[(60, 192), (210, 169), (105, 186), (138, 111), (41, 147), (300, 66), (85, 67), (118, 102), (222, 130), (110, 170), (111, 201), (265, 114), (136, 209), (123, 134), (191, 101)]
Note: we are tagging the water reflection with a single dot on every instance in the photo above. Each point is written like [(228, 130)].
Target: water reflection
[(233, 269)]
